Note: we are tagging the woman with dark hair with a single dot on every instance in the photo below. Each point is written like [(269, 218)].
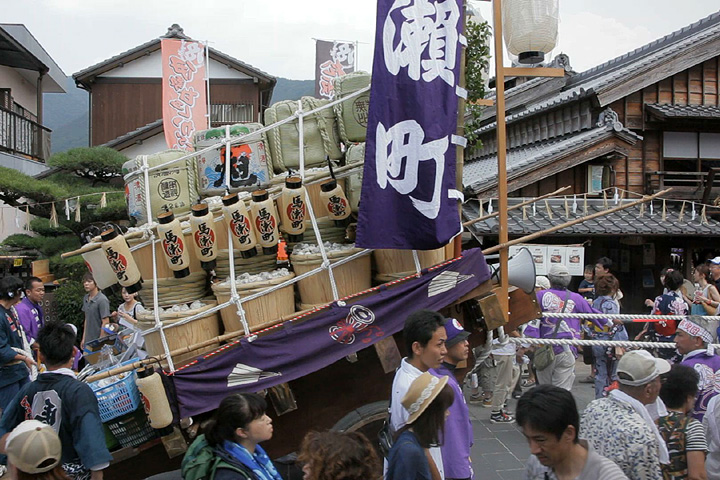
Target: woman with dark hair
[(682, 433), (13, 371), (427, 403), (338, 456), (669, 303), (604, 358), (236, 429)]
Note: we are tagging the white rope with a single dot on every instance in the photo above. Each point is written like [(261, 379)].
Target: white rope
[(623, 316), (416, 259), (601, 343), (272, 289)]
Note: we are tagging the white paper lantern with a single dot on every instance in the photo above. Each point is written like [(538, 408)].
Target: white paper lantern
[(530, 28)]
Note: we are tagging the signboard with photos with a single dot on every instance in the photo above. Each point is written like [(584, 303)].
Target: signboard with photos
[(544, 256)]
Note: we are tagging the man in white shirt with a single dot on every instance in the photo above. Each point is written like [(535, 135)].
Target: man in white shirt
[(425, 336)]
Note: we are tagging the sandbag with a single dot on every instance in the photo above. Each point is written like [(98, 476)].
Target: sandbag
[(250, 166), (352, 115), (353, 185), (319, 133), (172, 187)]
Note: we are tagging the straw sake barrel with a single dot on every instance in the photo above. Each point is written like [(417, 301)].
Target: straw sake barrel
[(261, 312), (351, 277), (258, 263), (207, 327), (174, 291), (393, 264)]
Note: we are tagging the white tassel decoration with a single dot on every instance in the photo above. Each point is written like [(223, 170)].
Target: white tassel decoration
[(103, 200), (77, 210), (53, 216)]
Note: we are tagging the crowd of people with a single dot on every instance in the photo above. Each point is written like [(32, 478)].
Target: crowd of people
[(656, 413)]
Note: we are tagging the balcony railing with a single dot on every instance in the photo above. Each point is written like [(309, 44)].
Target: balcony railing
[(689, 185), (228, 114), (20, 135)]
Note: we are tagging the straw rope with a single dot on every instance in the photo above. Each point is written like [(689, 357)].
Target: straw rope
[(623, 316), (600, 343)]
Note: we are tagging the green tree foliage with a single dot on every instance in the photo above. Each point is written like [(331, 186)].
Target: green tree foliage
[(68, 302), (477, 60), (96, 164)]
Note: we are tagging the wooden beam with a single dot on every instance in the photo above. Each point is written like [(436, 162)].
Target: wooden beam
[(534, 72)]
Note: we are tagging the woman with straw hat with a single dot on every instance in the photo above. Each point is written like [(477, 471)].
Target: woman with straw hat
[(427, 403)]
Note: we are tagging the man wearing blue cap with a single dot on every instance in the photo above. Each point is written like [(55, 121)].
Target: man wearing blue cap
[(458, 429)]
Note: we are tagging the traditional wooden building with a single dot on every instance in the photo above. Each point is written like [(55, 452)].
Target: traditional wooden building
[(126, 95), (644, 121), (26, 73)]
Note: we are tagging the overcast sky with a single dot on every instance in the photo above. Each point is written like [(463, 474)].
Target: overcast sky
[(277, 35)]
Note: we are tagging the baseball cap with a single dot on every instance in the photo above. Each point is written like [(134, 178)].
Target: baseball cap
[(558, 270), (715, 261), (34, 447), (641, 367), (455, 332)]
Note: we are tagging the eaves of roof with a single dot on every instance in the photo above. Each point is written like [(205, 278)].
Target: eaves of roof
[(633, 65), (85, 76), (685, 112), (481, 174), (631, 221)]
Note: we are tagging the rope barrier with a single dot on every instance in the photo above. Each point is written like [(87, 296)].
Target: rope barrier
[(623, 316), (590, 343)]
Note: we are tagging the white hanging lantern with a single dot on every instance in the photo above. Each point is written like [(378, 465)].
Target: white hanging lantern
[(530, 28)]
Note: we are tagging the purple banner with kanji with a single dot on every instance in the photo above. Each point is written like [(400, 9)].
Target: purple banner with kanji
[(332, 60), (308, 345), (409, 192)]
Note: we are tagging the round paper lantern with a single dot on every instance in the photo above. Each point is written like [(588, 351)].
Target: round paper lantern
[(530, 28)]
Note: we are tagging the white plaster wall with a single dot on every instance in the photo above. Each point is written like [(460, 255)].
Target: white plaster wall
[(24, 93), (149, 146), (150, 66)]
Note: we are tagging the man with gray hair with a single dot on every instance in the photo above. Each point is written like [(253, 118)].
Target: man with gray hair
[(558, 299), (620, 426), (694, 341)]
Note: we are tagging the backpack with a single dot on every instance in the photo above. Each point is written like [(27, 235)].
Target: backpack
[(200, 462)]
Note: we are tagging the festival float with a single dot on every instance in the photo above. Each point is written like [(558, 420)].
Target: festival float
[(284, 258)]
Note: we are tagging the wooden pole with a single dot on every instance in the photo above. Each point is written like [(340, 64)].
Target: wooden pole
[(532, 236), (460, 150), (501, 156), (515, 207)]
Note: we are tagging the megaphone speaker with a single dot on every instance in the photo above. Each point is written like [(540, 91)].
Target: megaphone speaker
[(521, 270)]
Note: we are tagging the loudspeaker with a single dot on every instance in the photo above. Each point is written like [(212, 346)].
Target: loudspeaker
[(521, 271)]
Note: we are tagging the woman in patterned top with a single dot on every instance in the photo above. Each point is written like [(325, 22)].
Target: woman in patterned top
[(683, 434)]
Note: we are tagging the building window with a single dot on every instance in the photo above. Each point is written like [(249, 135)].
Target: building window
[(226, 114), (688, 156)]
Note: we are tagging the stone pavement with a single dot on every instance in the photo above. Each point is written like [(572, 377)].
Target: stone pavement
[(500, 450)]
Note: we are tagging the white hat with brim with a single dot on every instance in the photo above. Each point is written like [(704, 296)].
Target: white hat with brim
[(34, 447), (421, 393), (641, 367)]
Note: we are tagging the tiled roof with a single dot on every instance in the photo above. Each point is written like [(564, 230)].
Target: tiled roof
[(701, 112), (134, 134), (624, 222), (617, 70), (481, 173), (154, 44)]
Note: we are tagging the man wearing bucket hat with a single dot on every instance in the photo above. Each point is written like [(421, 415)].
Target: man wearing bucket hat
[(63, 402), (694, 341), (458, 432), (425, 336), (426, 402), (34, 448), (620, 426)]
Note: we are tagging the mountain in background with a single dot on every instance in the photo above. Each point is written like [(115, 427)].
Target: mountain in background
[(66, 114)]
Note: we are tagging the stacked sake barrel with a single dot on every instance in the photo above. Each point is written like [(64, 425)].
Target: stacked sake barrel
[(315, 290)]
